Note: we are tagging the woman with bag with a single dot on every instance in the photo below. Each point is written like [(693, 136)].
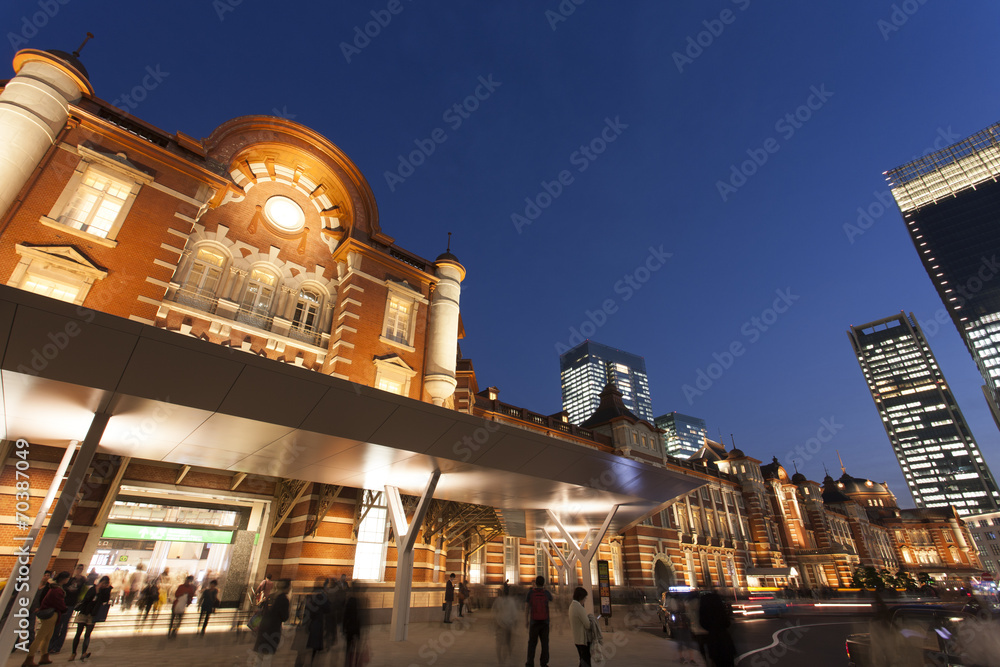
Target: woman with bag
[(53, 604), (580, 625), (92, 609)]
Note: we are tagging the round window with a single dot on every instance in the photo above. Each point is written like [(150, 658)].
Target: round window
[(284, 214)]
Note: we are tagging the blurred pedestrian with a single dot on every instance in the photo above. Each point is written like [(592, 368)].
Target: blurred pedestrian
[(715, 616), (355, 651), (449, 597), (136, 581), (264, 588), (309, 636), (463, 596), (693, 607), (52, 604), (74, 589), (505, 614), (274, 612), (182, 598), (580, 622), (207, 604), (149, 598), (93, 609), (35, 602)]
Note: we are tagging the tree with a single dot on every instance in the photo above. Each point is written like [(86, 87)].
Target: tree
[(905, 580)]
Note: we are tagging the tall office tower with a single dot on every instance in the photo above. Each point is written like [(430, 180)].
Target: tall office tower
[(940, 459), (684, 435), (589, 366), (951, 203)]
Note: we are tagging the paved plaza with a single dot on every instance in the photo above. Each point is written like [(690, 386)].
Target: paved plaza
[(469, 642)]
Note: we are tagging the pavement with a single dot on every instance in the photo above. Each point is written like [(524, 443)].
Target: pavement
[(633, 639)]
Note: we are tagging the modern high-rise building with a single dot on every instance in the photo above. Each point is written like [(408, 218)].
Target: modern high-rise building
[(950, 201), (940, 459), (588, 367), (683, 435)]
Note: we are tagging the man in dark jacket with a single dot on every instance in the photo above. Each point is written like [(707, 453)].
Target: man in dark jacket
[(208, 603), (538, 600), (74, 589), (449, 597)]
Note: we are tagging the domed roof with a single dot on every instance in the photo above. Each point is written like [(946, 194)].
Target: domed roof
[(849, 484), (71, 60), (736, 454), (611, 406), (799, 478), (447, 256)]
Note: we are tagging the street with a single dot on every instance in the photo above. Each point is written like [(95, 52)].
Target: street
[(817, 640)]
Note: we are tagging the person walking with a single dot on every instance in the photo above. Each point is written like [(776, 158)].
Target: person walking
[(182, 598), (354, 648), (52, 604), (505, 614), (93, 609), (715, 616), (208, 603), (149, 597), (309, 636), (579, 624), (449, 597), (74, 589), (463, 596), (136, 582), (538, 600), (35, 602), (274, 612)]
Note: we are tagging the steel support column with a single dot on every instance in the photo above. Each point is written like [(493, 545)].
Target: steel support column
[(406, 538), (576, 550), (40, 560)]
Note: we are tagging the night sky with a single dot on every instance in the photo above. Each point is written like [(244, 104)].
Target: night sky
[(654, 175)]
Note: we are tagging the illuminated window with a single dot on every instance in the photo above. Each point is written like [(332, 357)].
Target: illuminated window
[(369, 557), (206, 272), (397, 325), (392, 374), (58, 272), (512, 560), (306, 316), (257, 297), (98, 196)]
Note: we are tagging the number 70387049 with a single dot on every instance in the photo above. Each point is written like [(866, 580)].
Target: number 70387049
[(22, 483)]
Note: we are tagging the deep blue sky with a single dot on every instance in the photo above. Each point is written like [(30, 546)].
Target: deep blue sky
[(894, 93)]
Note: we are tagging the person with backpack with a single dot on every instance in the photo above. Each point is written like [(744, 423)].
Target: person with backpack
[(149, 597), (53, 603), (92, 609), (538, 600)]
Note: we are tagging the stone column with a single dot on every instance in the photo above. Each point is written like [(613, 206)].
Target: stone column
[(442, 330), (34, 108)]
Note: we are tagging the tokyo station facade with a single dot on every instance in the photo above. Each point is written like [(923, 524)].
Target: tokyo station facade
[(231, 353)]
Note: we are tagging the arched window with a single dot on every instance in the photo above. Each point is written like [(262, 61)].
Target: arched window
[(255, 307), (306, 316), (206, 272)]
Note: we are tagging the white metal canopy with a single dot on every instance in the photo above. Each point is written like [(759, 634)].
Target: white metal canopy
[(176, 399)]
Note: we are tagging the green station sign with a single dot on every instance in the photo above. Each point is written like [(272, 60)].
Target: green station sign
[(126, 531)]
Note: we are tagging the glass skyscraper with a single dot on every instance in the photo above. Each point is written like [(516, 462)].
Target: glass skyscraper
[(684, 435), (940, 459), (950, 201), (589, 366)]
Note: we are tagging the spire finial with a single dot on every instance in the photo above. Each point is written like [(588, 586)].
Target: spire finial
[(796, 466), (827, 472), (90, 36), (449, 243), (733, 439), (842, 468)]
